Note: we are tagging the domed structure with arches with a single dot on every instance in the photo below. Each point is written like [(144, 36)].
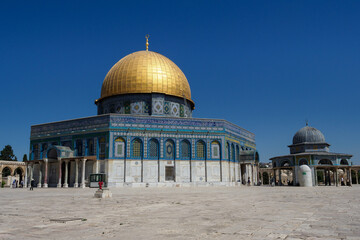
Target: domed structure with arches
[(310, 148), (143, 135)]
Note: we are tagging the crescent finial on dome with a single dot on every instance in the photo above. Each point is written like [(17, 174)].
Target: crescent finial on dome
[(147, 42)]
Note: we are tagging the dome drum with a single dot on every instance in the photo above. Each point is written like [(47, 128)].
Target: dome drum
[(146, 104)]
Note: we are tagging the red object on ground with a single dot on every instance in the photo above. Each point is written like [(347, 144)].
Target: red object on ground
[(100, 185)]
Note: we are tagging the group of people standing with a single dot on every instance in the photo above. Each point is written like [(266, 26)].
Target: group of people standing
[(16, 184)]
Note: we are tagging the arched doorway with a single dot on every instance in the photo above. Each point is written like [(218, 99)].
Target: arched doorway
[(6, 172), (18, 171), (265, 177), (53, 167)]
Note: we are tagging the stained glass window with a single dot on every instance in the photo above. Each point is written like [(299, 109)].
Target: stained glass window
[(119, 147), (215, 147), (200, 150), (102, 148), (136, 148)]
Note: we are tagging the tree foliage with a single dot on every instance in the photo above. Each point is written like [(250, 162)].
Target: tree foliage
[(8, 154)]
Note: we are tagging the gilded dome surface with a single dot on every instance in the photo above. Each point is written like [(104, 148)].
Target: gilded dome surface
[(308, 135), (145, 72)]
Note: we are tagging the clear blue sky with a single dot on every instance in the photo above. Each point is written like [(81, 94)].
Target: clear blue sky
[(266, 66)]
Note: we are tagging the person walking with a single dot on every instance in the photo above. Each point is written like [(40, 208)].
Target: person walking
[(32, 184)]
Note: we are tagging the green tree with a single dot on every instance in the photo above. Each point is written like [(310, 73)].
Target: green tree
[(25, 158), (8, 154)]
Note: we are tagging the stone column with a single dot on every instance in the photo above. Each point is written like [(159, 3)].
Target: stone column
[(315, 175), (76, 183), (96, 166), (357, 176), (31, 171), (40, 175), (45, 173), (252, 174), (240, 173), (336, 177), (66, 174), (274, 176), (350, 176), (83, 174), (59, 183), (26, 175), (280, 182)]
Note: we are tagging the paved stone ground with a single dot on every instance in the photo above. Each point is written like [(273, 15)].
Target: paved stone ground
[(182, 213)]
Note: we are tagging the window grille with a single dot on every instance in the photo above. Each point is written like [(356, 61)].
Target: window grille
[(154, 148), (200, 150), (136, 148), (185, 149)]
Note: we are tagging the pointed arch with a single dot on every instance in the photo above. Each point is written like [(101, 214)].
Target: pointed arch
[(120, 147), (170, 149), (227, 151), (237, 152), (232, 152), (200, 149), (6, 172), (185, 149), (215, 150), (153, 148), (137, 148)]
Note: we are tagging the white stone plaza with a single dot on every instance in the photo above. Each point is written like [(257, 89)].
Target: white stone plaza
[(182, 213)]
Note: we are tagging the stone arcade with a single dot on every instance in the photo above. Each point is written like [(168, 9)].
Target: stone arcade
[(144, 134)]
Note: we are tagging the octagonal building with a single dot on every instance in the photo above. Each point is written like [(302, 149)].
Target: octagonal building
[(143, 135)]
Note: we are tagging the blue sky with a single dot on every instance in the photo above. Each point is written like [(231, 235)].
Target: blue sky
[(266, 66)]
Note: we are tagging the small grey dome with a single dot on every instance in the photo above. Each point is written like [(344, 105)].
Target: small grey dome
[(308, 135)]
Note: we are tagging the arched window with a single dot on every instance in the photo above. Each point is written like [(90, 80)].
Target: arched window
[(344, 162), (137, 148), (154, 148), (215, 150), (36, 151), (185, 149), (200, 150), (79, 147), (325, 162), (119, 147), (237, 153), (303, 162), (169, 149), (102, 145), (227, 151), (44, 147), (285, 163), (6, 172), (90, 146), (232, 152)]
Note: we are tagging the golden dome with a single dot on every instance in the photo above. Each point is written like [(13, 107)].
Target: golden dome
[(146, 72)]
